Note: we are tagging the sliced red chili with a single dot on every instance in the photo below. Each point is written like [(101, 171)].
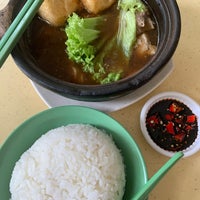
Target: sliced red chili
[(173, 107), (152, 120), (191, 118), (169, 117), (180, 137), (170, 128), (188, 128)]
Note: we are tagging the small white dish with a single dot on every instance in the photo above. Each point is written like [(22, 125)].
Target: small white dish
[(193, 105)]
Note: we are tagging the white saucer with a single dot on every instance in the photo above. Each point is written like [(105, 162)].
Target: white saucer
[(193, 105), (52, 99)]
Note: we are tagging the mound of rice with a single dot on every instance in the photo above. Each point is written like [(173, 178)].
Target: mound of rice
[(70, 163)]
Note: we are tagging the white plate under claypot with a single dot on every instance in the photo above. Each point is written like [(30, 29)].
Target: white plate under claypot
[(189, 102), (51, 99)]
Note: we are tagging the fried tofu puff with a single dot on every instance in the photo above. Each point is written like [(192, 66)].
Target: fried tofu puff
[(56, 12), (96, 6)]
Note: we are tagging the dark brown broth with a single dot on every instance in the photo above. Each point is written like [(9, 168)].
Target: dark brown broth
[(47, 45)]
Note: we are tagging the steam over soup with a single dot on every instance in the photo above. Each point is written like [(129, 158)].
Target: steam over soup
[(112, 54)]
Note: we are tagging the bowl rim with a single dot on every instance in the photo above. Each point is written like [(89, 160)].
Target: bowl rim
[(192, 104)]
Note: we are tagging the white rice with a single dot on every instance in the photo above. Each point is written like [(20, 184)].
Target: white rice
[(74, 162)]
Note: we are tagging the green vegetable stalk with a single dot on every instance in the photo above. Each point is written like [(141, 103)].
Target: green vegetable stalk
[(127, 24)]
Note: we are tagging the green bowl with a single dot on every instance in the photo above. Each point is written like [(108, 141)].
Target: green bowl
[(26, 134)]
